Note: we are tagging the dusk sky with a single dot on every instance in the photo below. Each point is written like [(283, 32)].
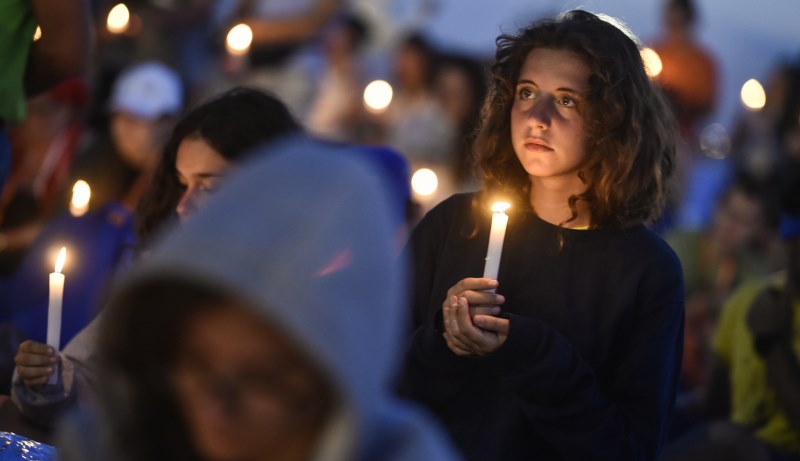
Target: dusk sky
[(747, 37)]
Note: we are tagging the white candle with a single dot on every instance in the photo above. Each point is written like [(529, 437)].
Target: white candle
[(54, 305), (496, 236)]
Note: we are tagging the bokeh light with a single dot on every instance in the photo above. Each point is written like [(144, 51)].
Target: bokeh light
[(118, 19), (753, 95), (239, 39), (81, 193), (424, 182), (37, 34), (652, 62), (378, 95), (715, 142)]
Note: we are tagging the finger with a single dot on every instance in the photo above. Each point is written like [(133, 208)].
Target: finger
[(457, 339), (455, 347), (474, 284), (483, 310), (448, 315), (32, 347), (471, 336), (495, 324), (483, 298), (27, 373), (27, 359), (35, 383), (452, 328)]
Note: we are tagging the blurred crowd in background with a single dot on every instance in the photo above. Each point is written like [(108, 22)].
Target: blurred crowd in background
[(154, 60)]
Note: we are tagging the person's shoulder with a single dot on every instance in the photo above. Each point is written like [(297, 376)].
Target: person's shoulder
[(452, 212), (651, 248), (456, 205)]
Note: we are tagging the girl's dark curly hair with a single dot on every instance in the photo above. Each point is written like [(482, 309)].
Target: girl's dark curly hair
[(631, 131), (233, 123)]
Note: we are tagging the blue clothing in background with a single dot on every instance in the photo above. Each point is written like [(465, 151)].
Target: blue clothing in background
[(16, 448), (706, 182), (97, 243)]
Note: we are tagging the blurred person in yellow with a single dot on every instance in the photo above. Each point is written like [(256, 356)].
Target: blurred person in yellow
[(753, 389)]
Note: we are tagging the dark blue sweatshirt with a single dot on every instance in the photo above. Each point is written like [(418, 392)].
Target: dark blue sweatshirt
[(590, 366)]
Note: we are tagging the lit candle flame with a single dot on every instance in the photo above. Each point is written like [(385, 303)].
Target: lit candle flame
[(378, 95), (652, 62), (239, 39), (500, 207), (753, 96), (62, 256), (81, 193), (118, 19), (37, 34), (424, 182)]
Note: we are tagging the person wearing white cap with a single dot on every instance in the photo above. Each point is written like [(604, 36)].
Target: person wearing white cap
[(144, 102)]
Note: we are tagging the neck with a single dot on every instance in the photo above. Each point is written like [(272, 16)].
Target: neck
[(550, 199), (680, 35)]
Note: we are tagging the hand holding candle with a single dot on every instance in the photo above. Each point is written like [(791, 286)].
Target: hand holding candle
[(496, 237), (54, 305)]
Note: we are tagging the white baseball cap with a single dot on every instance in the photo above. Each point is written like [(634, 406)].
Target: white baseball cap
[(148, 90)]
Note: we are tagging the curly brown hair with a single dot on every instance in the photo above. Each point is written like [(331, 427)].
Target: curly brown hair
[(630, 129)]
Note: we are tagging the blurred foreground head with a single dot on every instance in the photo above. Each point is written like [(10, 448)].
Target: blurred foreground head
[(268, 328)]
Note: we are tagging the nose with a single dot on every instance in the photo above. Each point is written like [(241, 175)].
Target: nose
[(227, 394), (539, 114), (187, 205)]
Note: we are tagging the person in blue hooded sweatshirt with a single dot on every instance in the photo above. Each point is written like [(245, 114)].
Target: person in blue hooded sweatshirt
[(264, 329)]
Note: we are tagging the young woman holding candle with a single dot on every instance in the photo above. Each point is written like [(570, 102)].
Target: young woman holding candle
[(205, 144), (573, 352)]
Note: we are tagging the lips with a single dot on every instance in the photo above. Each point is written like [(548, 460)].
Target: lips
[(537, 144)]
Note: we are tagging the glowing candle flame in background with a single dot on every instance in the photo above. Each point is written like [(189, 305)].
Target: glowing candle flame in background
[(378, 95), (81, 193), (37, 34), (239, 39), (652, 62), (118, 19), (424, 182), (753, 96)]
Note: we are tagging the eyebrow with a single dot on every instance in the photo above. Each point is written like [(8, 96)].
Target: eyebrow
[(202, 175), (564, 89), (209, 175)]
